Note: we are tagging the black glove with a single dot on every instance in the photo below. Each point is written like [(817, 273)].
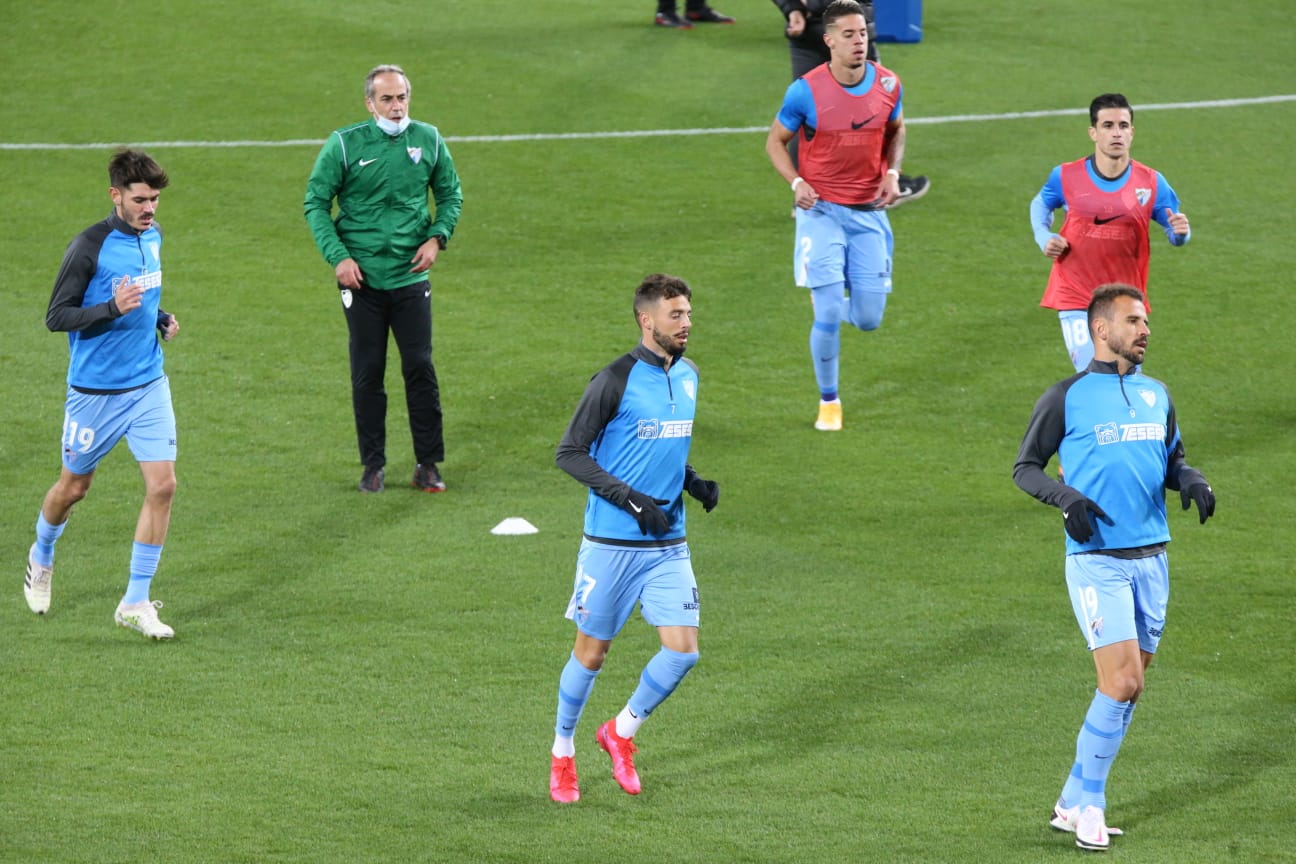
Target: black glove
[(1075, 510), (647, 512), (1202, 494), (706, 491)]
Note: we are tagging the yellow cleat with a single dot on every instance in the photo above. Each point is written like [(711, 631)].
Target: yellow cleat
[(830, 416)]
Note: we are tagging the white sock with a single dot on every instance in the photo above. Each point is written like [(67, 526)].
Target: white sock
[(627, 724), (564, 746)]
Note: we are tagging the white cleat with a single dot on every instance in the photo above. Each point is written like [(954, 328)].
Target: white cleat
[(1066, 819), (142, 618), (1091, 831), (36, 587)]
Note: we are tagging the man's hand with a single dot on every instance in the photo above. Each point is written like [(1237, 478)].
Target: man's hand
[(647, 512), (169, 327), (1178, 222), (705, 491), (127, 295), (425, 256), (1056, 246), (1075, 511), (1201, 493), (348, 273)]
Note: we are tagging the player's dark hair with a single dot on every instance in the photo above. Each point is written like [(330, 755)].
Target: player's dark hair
[(1104, 298), (386, 68), (1108, 100), (135, 166), (659, 286), (840, 9)]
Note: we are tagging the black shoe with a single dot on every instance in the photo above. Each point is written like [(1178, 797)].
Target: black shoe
[(428, 479), (670, 19), (707, 15), (371, 480), (911, 189)]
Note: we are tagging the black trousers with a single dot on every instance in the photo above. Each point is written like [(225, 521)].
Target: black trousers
[(407, 314)]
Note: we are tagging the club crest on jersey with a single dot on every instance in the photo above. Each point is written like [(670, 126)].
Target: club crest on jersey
[(1142, 195), (691, 389), (415, 154), (153, 249), (1096, 625), (889, 83), (1149, 397)]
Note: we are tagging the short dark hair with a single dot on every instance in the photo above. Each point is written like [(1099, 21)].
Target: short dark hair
[(1108, 100), (840, 9), (135, 166), (1104, 298), (657, 287)]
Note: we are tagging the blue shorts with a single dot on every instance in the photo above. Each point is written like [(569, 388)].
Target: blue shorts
[(1117, 599), (94, 423), (611, 579), (837, 244), (1075, 333)]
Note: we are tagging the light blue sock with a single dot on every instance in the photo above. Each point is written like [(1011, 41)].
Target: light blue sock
[(46, 535), (1070, 796), (143, 567), (659, 679), (1129, 718), (574, 688), (825, 335), (1096, 747)]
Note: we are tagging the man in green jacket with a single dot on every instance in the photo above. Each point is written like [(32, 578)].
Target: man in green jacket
[(381, 246)]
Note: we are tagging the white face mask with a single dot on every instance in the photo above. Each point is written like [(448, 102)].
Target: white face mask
[(392, 127)]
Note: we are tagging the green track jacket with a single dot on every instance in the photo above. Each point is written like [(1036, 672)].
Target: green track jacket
[(381, 185)]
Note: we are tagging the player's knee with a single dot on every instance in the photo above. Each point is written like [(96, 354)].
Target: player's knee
[(867, 322), (680, 661), (161, 488), (1126, 688)]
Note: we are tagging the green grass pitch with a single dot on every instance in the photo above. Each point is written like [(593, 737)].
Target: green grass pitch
[(890, 671)]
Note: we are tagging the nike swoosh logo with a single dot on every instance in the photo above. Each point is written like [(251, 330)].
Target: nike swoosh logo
[(364, 162), (1098, 221), (635, 507), (1065, 514), (862, 124)]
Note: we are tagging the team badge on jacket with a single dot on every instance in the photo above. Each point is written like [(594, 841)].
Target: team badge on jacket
[(1142, 195), (415, 154)]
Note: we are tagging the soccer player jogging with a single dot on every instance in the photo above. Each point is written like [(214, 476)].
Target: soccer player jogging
[(1110, 202), (850, 122), (107, 298), (628, 441), (1115, 430), (382, 245)]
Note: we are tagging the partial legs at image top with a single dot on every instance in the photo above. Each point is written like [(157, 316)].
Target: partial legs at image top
[(704, 14)]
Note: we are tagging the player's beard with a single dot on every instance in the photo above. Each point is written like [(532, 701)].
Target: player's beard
[(1131, 353), (668, 343)]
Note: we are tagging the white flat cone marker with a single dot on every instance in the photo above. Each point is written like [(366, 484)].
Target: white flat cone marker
[(515, 525)]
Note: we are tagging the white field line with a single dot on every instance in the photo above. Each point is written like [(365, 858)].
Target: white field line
[(653, 133)]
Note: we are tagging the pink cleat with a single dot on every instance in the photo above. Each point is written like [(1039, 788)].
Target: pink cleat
[(622, 751)]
